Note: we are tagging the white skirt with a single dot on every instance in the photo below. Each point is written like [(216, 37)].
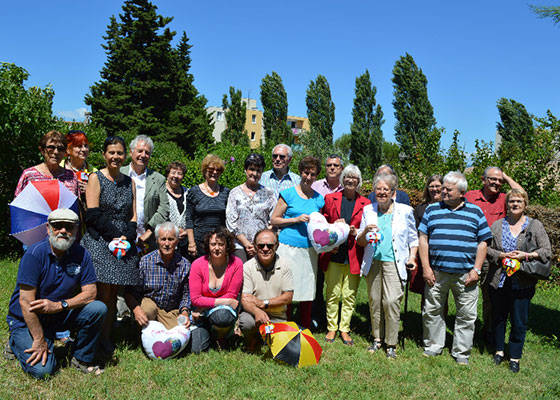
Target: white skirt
[(303, 263)]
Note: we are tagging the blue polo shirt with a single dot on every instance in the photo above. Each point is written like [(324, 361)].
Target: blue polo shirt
[(55, 279), (453, 235)]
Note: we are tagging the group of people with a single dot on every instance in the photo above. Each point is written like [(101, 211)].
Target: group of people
[(223, 262)]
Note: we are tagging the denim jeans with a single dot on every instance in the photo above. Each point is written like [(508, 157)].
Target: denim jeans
[(515, 304), (87, 320)]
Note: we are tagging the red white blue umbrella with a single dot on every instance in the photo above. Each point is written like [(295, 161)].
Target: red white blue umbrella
[(30, 209)]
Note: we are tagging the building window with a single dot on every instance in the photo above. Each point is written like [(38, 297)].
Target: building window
[(252, 136), (293, 124), (254, 119), (219, 116)]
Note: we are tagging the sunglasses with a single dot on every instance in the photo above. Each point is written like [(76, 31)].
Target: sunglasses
[(280, 156), (69, 226), (51, 148), (267, 245)]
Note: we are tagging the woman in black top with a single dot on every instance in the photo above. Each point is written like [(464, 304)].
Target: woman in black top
[(177, 195), (206, 205)]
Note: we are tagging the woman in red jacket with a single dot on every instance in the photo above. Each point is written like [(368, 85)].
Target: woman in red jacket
[(342, 265)]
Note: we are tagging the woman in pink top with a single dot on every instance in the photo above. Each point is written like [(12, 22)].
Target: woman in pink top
[(215, 284)]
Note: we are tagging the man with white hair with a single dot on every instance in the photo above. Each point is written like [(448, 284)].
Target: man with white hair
[(152, 204), (453, 241), (164, 293), (55, 291), (280, 177)]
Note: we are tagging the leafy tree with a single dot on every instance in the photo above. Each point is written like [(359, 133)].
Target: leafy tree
[(455, 159), (190, 126), (342, 145), (275, 105), (516, 127), (145, 85), (367, 117), (320, 107), (552, 12), (25, 116), (315, 144), (414, 129), (235, 112)]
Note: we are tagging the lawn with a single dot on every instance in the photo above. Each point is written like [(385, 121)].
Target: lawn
[(344, 372)]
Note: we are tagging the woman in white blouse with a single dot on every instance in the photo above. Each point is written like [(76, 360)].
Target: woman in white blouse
[(249, 207)]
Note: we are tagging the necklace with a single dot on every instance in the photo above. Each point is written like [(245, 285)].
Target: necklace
[(210, 191)]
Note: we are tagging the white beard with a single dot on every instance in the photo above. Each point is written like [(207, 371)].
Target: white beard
[(60, 242)]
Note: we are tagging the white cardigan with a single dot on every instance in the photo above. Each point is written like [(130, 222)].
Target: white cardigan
[(404, 234)]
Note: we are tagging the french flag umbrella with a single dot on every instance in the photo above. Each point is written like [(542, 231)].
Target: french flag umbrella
[(30, 209)]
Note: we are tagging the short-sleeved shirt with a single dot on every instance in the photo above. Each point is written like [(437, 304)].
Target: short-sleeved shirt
[(268, 284), (322, 187), (296, 234), (270, 181), (67, 178), (454, 235), (55, 279), (493, 210)]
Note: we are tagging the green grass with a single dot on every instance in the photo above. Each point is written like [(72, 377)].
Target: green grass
[(344, 372)]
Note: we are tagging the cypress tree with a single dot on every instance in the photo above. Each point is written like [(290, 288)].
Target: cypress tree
[(415, 126), (275, 110), (366, 143), (320, 108), (235, 112)]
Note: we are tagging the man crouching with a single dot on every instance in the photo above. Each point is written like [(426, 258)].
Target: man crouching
[(44, 301), (267, 288), (164, 294)]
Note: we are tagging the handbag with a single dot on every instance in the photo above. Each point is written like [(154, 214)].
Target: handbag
[(535, 267)]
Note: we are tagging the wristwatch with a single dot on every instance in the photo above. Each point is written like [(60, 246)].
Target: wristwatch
[(266, 303), (64, 304), (478, 271)]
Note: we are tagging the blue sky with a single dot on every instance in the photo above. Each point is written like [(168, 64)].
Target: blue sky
[(472, 52)]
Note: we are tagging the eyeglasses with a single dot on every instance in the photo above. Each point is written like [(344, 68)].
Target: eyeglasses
[(333, 165), (57, 226), (494, 180), (51, 148), (267, 245), (280, 156)]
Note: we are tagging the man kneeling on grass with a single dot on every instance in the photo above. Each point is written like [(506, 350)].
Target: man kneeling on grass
[(267, 288), (44, 301), (164, 295)]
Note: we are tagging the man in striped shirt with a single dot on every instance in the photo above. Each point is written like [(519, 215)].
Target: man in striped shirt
[(280, 177), (453, 241)]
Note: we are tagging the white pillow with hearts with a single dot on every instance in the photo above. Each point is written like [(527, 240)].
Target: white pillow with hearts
[(324, 236), (160, 343)]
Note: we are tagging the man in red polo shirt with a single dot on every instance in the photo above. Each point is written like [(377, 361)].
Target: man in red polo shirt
[(493, 205)]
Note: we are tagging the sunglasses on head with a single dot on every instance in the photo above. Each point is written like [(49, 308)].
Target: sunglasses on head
[(267, 245)]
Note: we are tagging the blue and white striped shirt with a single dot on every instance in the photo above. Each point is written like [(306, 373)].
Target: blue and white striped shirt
[(454, 235), (270, 181)]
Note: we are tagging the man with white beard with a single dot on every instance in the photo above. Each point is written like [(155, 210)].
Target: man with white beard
[(55, 291)]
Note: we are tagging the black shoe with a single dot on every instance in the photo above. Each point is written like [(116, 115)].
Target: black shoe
[(498, 359), (514, 366)]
